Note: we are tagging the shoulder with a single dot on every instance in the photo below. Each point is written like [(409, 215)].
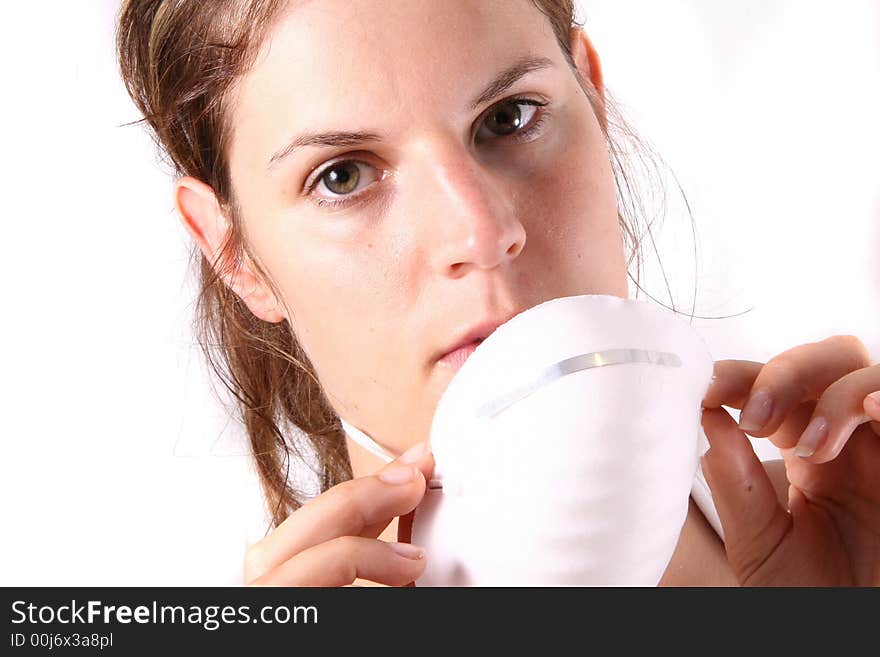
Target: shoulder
[(699, 558)]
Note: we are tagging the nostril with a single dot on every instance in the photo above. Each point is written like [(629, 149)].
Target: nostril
[(518, 245)]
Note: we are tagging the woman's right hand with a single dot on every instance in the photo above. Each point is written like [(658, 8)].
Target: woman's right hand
[(332, 539)]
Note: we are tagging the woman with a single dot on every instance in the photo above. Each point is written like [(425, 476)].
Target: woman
[(368, 182)]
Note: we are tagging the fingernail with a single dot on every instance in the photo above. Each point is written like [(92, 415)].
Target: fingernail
[(407, 550), (414, 453), (875, 397), (399, 474), (757, 411), (813, 435)]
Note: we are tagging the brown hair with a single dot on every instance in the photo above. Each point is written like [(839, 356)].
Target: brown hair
[(179, 60)]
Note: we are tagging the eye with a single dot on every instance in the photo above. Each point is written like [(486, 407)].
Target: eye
[(506, 120), (340, 179)]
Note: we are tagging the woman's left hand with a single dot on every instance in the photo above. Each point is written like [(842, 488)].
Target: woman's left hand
[(813, 403)]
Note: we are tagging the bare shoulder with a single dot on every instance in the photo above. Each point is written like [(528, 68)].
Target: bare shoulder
[(699, 558)]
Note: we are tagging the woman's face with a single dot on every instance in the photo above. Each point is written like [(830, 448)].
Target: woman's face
[(454, 212)]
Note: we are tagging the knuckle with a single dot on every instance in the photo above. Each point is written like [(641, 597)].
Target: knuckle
[(845, 340), (345, 546), (783, 370), (786, 374), (263, 580), (854, 347), (343, 558), (254, 562), (344, 493), (788, 362), (350, 503)]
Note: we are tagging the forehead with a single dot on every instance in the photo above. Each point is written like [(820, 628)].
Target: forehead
[(343, 64)]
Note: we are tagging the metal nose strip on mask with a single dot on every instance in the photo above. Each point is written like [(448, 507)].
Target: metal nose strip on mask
[(577, 364)]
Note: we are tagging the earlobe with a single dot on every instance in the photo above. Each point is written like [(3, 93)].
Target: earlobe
[(200, 213), (587, 60)]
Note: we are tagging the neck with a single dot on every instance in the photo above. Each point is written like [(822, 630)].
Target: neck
[(363, 462)]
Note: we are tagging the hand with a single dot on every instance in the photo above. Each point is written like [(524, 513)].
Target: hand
[(332, 539), (828, 430)]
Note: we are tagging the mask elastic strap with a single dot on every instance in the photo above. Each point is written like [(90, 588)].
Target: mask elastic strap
[(367, 443)]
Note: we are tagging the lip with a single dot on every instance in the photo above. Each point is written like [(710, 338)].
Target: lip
[(456, 358), (464, 345)]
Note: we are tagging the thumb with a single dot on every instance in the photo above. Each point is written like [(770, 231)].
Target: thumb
[(419, 456), (753, 520)]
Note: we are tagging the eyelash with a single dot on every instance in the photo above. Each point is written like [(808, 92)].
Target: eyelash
[(536, 124)]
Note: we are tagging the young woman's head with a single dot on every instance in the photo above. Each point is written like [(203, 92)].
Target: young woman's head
[(366, 181)]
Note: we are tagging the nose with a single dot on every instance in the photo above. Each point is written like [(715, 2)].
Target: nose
[(469, 217)]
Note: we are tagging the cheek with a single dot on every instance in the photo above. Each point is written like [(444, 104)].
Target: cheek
[(338, 292), (574, 224)]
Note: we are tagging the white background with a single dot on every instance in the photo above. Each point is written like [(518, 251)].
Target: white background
[(119, 466)]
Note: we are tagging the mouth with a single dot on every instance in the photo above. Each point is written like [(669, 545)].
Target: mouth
[(457, 357), (469, 338)]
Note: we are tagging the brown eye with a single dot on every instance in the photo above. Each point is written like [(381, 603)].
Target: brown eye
[(517, 120), (342, 178), (505, 119)]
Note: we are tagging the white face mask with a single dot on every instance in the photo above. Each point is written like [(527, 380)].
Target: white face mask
[(566, 447)]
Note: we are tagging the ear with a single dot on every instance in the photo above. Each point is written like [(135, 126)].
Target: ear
[(200, 212), (587, 60)]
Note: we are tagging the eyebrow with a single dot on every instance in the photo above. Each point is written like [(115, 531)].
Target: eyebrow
[(499, 84)]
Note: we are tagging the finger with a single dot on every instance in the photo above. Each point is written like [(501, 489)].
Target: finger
[(753, 520), (347, 509), (340, 561), (424, 461), (798, 375), (840, 410), (731, 382), (871, 404), (789, 432)]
